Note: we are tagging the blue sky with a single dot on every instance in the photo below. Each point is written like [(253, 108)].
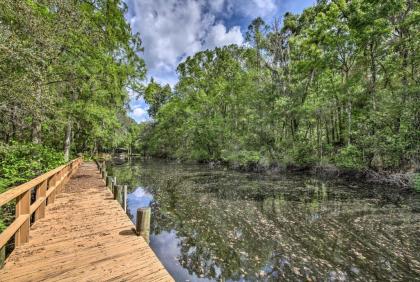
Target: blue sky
[(172, 30)]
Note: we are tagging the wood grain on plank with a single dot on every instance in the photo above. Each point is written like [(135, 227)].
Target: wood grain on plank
[(84, 236)]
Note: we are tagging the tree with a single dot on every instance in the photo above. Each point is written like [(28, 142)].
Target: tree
[(67, 70), (155, 95), (336, 84)]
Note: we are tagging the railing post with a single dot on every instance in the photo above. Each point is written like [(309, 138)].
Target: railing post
[(70, 169), (23, 203), (59, 182), (73, 167), (103, 167), (51, 184), (21, 195), (2, 256), (113, 183), (125, 198), (108, 181), (117, 192), (41, 192), (66, 175), (104, 174), (143, 223)]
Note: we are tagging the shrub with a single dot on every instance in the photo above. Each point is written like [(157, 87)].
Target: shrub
[(20, 162), (304, 154), (241, 157), (416, 180), (349, 157)]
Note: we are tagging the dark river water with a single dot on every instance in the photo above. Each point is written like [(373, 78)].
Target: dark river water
[(221, 225)]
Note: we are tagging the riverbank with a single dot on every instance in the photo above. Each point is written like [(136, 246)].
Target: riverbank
[(402, 180)]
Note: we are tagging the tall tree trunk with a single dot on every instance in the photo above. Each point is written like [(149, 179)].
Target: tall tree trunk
[(340, 129), (333, 137), (349, 106), (373, 73), (327, 131), (67, 140), (404, 82), (36, 119), (318, 137), (349, 122), (14, 123), (36, 131)]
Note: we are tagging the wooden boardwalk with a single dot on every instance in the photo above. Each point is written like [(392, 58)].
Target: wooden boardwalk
[(84, 236)]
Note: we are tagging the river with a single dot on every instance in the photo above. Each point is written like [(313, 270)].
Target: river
[(222, 225)]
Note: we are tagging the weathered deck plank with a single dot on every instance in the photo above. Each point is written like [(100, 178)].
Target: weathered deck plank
[(85, 236)]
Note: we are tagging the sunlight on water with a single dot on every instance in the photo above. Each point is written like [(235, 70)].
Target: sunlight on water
[(223, 225)]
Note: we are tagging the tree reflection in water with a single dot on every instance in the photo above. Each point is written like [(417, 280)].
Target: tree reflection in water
[(225, 225)]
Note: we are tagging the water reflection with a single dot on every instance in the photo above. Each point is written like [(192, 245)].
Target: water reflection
[(166, 246), (224, 225), (137, 198)]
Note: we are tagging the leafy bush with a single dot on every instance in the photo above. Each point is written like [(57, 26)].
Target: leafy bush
[(304, 154), (416, 180), (241, 157), (349, 157), (199, 154), (20, 162)]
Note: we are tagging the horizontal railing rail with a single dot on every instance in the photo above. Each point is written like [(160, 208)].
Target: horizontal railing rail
[(46, 186)]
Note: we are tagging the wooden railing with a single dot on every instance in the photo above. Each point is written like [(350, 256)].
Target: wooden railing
[(46, 186)]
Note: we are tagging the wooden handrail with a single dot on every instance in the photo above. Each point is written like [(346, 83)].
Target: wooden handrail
[(47, 186)]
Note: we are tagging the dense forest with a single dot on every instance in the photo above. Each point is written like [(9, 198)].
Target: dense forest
[(294, 155), (336, 85), (66, 68)]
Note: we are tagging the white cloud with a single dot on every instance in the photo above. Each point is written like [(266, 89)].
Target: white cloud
[(172, 30), (141, 193), (264, 7), (217, 5), (218, 36), (140, 114), (250, 8)]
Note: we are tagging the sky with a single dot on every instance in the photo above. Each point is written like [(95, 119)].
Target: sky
[(172, 30)]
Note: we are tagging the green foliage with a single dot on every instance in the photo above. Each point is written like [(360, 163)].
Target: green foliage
[(155, 96), (66, 67), (65, 71), (2, 225), (416, 180), (241, 158), (349, 157), (20, 162), (337, 84), (303, 154)]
